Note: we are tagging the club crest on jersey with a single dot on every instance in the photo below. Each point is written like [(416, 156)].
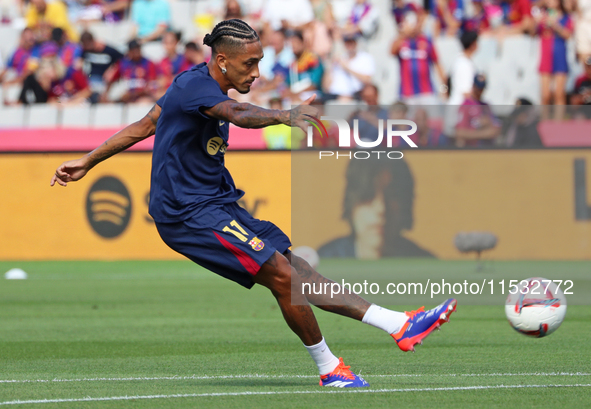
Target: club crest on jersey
[(257, 244), (215, 145)]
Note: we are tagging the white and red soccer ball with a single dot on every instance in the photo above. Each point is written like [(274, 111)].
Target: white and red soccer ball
[(537, 307)]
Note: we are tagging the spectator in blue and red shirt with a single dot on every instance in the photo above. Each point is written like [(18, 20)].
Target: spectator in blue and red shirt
[(448, 16), (138, 72), (174, 63), (554, 26), (479, 21), (19, 60), (69, 53), (416, 55), (477, 125), (517, 16), (72, 89)]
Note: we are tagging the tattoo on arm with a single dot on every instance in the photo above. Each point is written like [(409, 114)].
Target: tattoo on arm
[(247, 115), (153, 115), (105, 151), (125, 138)]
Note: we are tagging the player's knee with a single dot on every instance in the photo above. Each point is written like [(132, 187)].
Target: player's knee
[(282, 276), (276, 274)]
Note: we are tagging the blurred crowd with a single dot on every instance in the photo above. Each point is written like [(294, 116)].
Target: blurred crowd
[(307, 50)]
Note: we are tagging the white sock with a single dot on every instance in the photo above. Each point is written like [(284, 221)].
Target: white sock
[(324, 359), (382, 318)]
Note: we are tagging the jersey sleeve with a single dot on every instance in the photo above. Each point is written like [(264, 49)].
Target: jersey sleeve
[(199, 95), (160, 102)]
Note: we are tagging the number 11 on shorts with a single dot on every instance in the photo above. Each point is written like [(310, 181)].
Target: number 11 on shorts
[(241, 234)]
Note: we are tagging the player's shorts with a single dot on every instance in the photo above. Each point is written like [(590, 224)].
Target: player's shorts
[(227, 240)]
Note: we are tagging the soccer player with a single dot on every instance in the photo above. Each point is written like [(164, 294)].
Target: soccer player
[(193, 198)]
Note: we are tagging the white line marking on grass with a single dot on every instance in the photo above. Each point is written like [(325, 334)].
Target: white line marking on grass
[(254, 393), (266, 376), (158, 378)]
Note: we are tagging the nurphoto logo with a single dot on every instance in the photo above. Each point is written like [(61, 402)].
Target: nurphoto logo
[(395, 128)]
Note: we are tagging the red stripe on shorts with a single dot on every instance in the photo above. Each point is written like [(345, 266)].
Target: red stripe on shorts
[(247, 262)]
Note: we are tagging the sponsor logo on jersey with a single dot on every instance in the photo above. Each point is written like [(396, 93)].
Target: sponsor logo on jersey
[(215, 145), (257, 244)]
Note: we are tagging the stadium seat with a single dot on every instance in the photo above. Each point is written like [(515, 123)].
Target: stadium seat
[(486, 53), (116, 35), (117, 90), (10, 38), (497, 90), (135, 112), (389, 83), (448, 49), (78, 116), (11, 93), (181, 13), (107, 115), (12, 117), (153, 51), (42, 116), (520, 50), (526, 85)]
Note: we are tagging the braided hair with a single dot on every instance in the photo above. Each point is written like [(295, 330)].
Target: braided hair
[(230, 33)]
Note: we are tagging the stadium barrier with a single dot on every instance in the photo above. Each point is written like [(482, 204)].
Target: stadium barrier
[(535, 201), (105, 215)]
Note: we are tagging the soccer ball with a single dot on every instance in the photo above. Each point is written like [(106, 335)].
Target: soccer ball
[(535, 307), (308, 254)]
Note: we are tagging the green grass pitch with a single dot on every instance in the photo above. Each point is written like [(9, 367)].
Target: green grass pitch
[(172, 335)]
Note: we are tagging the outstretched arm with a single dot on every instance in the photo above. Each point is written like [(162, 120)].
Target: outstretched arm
[(74, 170), (247, 115)]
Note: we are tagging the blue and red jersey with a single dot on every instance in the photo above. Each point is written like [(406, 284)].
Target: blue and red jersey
[(73, 82), (516, 11), (18, 61), (553, 47), (416, 55), (473, 114), (170, 68), (138, 74), (477, 23), (456, 8), (69, 53)]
